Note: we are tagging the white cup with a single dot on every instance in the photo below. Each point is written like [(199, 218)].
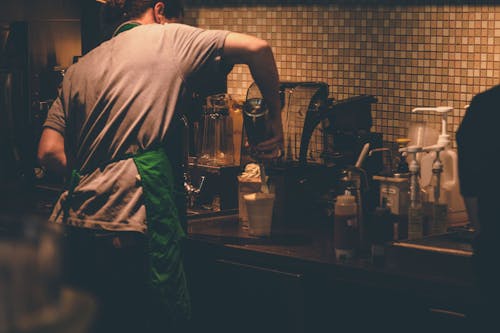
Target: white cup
[(260, 213), (245, 186)]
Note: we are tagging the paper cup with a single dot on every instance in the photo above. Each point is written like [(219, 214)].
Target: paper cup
[(260, 213), (246, 186)]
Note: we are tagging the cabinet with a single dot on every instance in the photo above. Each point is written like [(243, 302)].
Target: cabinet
[(235, 295), (238, 290)]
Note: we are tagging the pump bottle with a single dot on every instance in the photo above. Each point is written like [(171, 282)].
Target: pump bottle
[(449, 175), (415, 209), (436, 197)]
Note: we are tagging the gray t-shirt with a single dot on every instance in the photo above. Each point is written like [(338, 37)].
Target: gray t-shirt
[(120, 98)]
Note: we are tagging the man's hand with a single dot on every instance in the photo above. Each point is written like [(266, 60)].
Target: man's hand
[(271, 149)]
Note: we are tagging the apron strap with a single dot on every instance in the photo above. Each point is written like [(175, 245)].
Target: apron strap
[(124, 27)]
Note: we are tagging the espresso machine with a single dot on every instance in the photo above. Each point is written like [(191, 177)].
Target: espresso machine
[(323, 137)]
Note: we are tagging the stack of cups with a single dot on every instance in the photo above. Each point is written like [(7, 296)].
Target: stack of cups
[(259, 207)]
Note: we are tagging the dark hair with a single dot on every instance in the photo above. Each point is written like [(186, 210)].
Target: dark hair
[(118, 11), (174, 9)]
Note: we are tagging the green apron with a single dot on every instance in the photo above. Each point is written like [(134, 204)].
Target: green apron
[(167, 279), (165, 233)]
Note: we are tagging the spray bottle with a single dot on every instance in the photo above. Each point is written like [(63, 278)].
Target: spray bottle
[(449, 176), (415, 209), (436, 201)]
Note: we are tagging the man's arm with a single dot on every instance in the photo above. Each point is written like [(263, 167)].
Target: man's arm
[(51, 154), (258, 55)]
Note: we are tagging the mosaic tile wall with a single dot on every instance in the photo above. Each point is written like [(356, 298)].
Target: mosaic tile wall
[(407, 55)]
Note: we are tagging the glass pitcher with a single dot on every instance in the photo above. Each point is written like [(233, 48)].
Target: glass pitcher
[(216, 130)]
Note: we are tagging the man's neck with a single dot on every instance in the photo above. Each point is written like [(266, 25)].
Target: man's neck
[(146, 18)]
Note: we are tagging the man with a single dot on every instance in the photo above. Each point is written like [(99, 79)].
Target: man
[(110, 124), (478, 152)]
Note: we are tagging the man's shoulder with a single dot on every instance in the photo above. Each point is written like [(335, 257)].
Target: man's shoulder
[(182, 30), (92, 57), (166, 28)]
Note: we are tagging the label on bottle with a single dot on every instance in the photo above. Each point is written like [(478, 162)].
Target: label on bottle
[(346, 232)]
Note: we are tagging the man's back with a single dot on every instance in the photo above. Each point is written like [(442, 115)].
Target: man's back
[(119, 99), (123, 94)]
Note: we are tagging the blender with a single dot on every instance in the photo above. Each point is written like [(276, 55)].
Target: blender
[(213, 163)]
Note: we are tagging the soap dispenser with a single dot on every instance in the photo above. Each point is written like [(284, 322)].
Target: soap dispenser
[(449, 175)]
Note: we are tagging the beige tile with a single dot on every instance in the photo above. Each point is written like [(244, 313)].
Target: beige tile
[(406, 56)]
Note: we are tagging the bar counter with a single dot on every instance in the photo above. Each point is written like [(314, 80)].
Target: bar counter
[(295, 275), (292, 282)]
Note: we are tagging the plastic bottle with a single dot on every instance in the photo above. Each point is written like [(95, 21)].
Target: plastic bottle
[(381, 231), (415, 209), (354, 180), (346, 228), (437, 197), (449, 176)]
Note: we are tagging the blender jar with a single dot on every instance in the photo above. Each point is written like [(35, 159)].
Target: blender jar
[(216, 132)]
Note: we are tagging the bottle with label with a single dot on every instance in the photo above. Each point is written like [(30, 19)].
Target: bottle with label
[(346, 228)]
